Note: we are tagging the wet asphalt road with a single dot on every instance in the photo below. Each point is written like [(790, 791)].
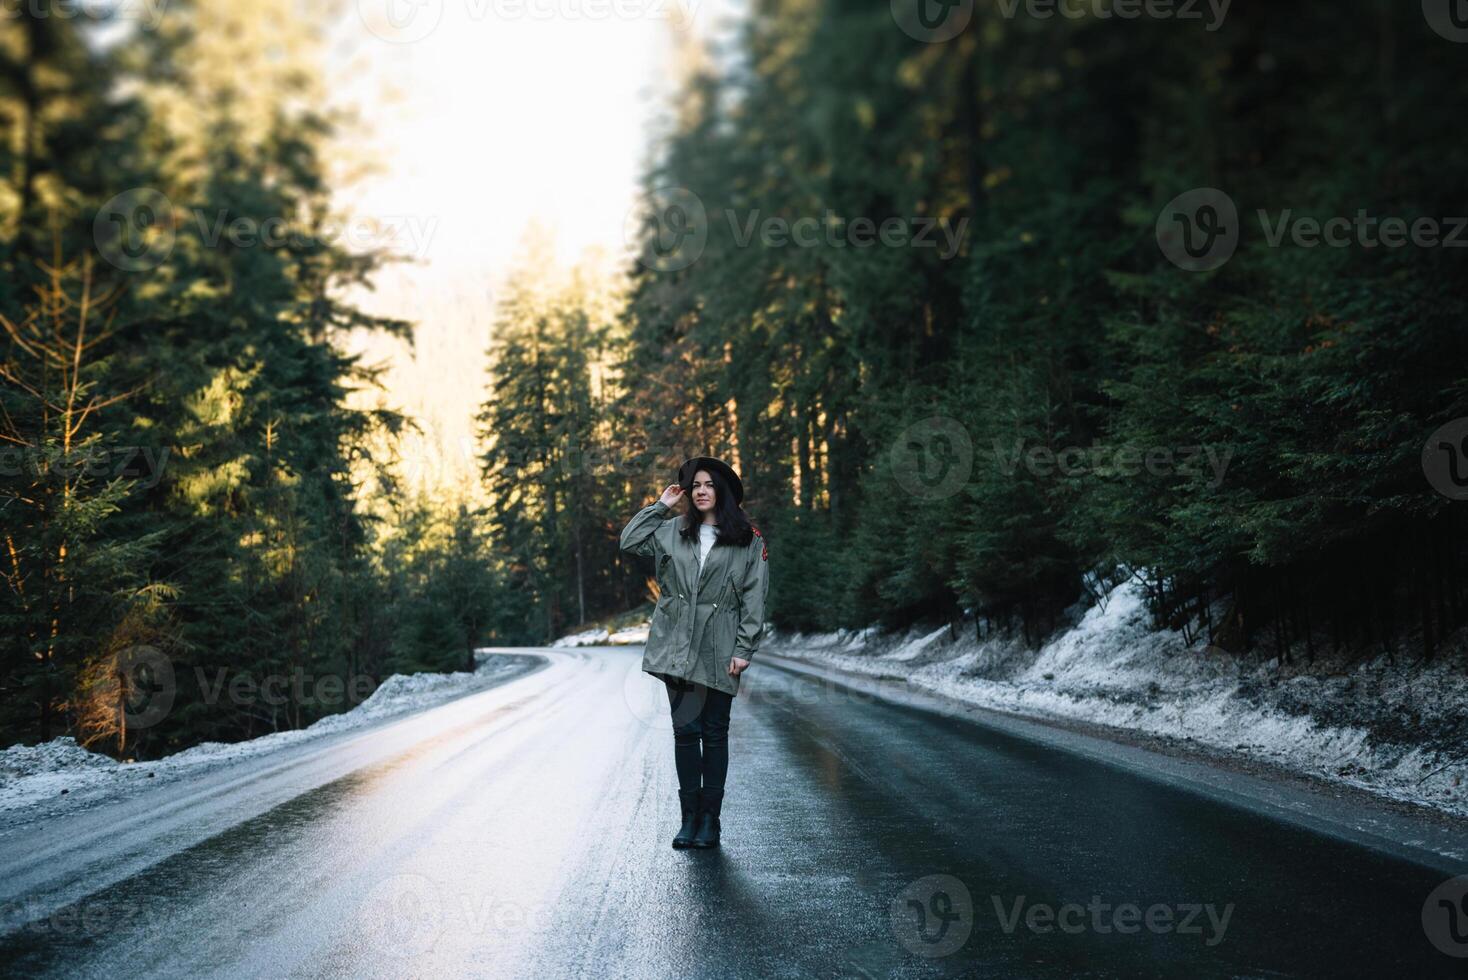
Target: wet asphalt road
[(523, 832)]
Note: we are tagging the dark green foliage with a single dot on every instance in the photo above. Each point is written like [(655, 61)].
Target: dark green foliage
[(1088, 376), (225, 525), (1313, 375)]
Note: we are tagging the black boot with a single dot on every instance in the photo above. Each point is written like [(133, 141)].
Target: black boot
[(689, 800), (708, 819)]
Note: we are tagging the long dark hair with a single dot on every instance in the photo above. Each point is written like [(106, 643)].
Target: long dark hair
[(734, 525)]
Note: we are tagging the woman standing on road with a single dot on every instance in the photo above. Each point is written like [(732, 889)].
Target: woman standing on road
[(712, 574)]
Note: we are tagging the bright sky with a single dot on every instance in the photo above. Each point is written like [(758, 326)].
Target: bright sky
[(487, 115)]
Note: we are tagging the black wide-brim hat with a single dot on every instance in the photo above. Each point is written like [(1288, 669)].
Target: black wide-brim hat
[(692, 466)]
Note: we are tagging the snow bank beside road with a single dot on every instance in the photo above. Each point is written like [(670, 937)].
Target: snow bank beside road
[(601, 637), (30, 773), (1393, 730)]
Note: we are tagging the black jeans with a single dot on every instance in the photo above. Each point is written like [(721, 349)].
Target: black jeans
[(699, 714)]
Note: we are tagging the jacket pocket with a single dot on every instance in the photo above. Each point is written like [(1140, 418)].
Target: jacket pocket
[(659, 629)]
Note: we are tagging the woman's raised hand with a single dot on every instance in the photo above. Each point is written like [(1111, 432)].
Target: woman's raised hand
[(671, 495)]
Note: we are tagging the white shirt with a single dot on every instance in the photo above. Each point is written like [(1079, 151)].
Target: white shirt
[(706, 535)]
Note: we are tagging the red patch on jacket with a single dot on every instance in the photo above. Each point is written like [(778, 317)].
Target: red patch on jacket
[(764, 549)]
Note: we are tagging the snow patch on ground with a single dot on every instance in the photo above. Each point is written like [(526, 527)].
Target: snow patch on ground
[(914, 649), (1393, 730), (57, 755), (601, 637), (30, 773)]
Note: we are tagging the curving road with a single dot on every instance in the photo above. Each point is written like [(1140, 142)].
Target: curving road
[(523, 832)]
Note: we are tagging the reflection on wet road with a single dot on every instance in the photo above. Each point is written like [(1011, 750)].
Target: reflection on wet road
[(523, 832)]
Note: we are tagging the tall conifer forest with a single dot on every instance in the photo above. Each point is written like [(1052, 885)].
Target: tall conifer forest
[(986, 324)]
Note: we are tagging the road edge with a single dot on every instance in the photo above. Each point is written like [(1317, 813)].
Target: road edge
[(82, 800), (1411, 832)]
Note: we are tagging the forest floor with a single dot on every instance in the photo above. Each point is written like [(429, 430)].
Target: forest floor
[(1393, 728)]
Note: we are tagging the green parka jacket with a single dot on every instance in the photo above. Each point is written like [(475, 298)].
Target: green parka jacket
[(701, 619)]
